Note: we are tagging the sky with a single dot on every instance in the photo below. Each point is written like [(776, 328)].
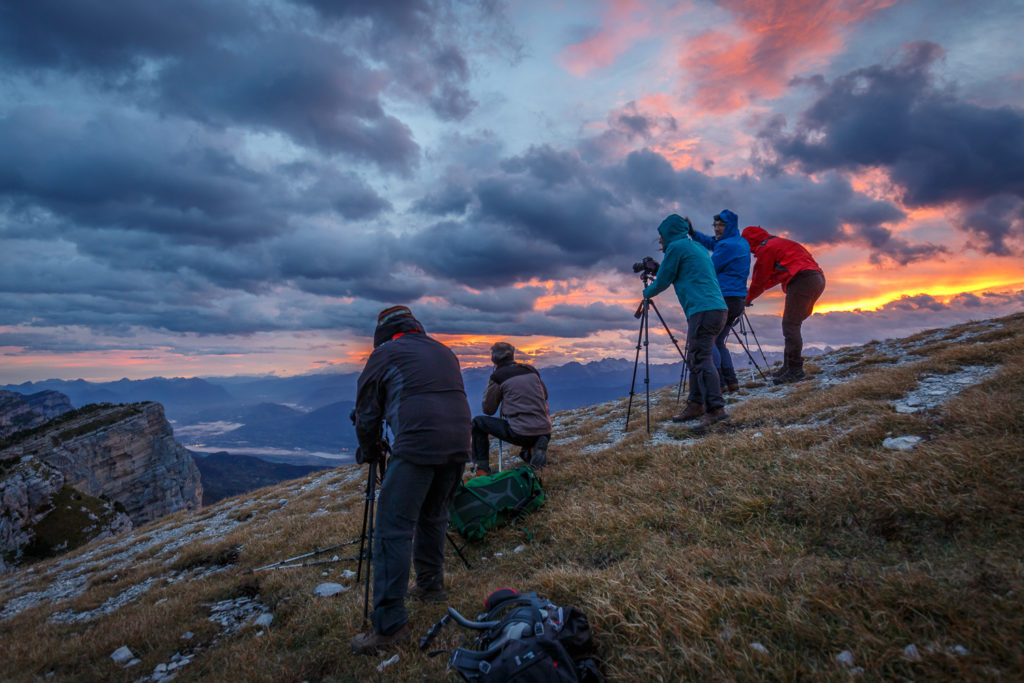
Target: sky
[(199, 188)]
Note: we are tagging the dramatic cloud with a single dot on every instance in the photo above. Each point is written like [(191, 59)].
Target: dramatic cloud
[(937, 149)]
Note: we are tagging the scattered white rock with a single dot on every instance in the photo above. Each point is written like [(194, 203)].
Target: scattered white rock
[(759, 648), (902, 443), (264, 619), (519, 549), (187, 635), (845, 658), (911, 654), (347, 574), (387, 662), (326, 590), (959, 650), (122, 655)]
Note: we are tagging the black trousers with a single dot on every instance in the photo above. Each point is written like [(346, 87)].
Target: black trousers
[(705, 385), (485, 427), (412, 515), (802, 293)]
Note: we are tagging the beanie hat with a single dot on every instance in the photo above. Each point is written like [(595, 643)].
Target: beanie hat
[(389, 314), (502, 352), (392, 321)]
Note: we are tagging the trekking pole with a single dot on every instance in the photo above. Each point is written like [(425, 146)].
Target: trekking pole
[(284, 564), (371, 488)]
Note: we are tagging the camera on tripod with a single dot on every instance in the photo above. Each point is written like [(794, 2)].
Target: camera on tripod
[(647, 266)]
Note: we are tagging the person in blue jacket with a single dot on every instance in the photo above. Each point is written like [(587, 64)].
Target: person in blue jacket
[(688, 268), (730, 255)]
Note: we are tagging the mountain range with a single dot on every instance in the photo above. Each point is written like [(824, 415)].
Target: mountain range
[(304, 419)]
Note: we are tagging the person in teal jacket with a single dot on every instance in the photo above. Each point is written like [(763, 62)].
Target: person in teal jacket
[(688, 268)]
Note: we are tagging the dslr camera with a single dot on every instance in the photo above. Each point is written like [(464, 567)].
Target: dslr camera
[(647, 266)]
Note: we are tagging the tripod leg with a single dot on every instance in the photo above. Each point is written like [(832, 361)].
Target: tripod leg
[(458, 550), (751, 357), (647, 367), (751, 327), (636, 359), (362, 535)]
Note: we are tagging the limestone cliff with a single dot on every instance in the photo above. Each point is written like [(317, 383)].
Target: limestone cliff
[(25, 411), (122, 453)]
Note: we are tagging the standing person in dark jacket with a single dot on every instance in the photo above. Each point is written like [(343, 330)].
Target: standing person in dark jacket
[(779, 260), (414, 383), (523, 398), (688, 268), (730, 255)]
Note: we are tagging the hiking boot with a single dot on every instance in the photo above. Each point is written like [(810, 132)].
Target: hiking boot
[(525, 454), (791, 375), (539, 456), (692, 412), (732, 387), (711, 418), (436, 596), (371, 642), (780, 371)]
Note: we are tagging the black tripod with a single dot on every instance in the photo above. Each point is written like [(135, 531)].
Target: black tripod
[(743, 322), (643, 340)]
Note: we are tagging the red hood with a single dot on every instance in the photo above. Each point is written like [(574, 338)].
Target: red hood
[(755, 234)]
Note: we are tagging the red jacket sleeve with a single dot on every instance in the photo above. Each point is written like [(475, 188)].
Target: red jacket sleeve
[(764, 276)]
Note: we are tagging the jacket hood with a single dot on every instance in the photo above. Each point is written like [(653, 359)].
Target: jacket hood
[(731, 223), (754, 235), (673, 228), (389, 328)]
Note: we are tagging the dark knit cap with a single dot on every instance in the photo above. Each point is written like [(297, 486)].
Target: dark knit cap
[(392, 321)]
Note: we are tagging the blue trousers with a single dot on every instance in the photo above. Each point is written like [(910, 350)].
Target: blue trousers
[(412, 515)]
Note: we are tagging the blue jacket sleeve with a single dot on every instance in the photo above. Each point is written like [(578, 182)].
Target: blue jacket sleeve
[(708, 242), (667, 274)]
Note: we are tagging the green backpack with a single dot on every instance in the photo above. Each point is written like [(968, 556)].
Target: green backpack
[(485, 502)]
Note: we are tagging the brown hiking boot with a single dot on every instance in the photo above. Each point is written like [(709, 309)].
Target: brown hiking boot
[(791, 375), (711, 418), (732, 387), (692, 412), (371, 642), (434, 597)]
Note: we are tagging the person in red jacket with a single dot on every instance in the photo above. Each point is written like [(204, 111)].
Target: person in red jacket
[(785, 262)]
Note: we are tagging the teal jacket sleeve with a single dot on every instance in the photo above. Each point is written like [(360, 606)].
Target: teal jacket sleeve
[(667, 273)]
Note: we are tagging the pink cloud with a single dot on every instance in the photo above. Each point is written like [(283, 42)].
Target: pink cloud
[(623, 24), (776, 38)]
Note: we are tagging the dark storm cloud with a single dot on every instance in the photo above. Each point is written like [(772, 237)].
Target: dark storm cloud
[(267, 66), (503, 300), (936, 147), (138, 175), (451, 199), (111, 36), (998, 223)]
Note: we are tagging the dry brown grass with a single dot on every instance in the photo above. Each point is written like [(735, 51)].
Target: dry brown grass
[(792, 528)]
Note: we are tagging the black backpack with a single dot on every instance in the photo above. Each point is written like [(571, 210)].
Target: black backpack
[(523, 638)]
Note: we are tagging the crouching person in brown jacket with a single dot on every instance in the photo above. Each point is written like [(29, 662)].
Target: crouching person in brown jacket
[(517, 388)]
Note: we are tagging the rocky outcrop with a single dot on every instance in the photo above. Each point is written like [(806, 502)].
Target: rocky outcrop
[(124, 453), (40, 515), (20, 411)]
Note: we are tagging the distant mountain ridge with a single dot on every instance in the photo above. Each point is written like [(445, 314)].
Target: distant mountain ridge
[(308, 414)]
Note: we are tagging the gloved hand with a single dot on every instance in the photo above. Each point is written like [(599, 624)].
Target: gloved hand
[(363, 458), (748, 304)]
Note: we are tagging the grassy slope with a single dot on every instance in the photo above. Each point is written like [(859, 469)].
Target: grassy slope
[(809, 540)]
